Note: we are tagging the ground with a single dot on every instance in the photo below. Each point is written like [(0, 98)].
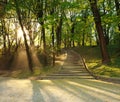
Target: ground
[(60, 90), (77, 89)]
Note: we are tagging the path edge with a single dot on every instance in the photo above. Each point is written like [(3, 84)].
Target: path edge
[(98, 77)]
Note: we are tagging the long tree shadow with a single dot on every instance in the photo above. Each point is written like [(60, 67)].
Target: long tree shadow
[(77, 92), (43, 92), (106, 86), (89, 90), (74, 90), (37, 95)]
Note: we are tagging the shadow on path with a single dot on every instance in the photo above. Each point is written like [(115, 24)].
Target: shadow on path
[(37, 95), (74, 90)]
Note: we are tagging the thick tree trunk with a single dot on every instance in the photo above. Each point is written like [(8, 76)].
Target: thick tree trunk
[(96, 14), (30, 62)]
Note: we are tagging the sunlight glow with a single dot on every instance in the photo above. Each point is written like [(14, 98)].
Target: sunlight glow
[(20, 34), (62, 57)]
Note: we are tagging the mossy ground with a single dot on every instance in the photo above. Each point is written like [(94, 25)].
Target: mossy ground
[(92, 56)]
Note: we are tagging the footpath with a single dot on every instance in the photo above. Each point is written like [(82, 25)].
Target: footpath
[(72, 68)]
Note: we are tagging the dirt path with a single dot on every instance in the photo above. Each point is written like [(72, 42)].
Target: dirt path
[(65, 90)]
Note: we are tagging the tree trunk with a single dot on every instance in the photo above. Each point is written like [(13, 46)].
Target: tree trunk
[(58, 34), (117, 3), (30, 62), (44, 43), (43, 36), (96, 14), (4, 37), (53, 45), (105, 28), (40, 16), (83, 39), (72, 32)]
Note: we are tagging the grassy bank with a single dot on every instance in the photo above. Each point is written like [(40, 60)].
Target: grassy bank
[(92, 56)]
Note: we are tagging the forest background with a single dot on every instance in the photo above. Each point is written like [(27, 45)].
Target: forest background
[(43, 27)]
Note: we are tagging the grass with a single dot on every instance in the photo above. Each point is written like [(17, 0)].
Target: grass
[(38, 71), (21, 74), (92, 56)]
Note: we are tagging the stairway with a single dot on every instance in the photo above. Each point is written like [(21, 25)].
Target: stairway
[(73, 68)]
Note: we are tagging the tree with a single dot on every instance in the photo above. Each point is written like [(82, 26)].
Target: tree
[(40, 13), (30, 63), (96, 14)]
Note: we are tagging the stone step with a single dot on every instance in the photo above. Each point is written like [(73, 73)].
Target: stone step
[(67, 64), (69, 74), (66, 77), (73, 71), (72, 66), (70, 60)]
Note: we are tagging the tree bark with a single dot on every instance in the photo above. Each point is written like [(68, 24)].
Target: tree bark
[(30, 62), (53, 45), (97, 19), (43, 36), (72, 32), (58, 34), (40, 16), (4, 37), (83, 39)]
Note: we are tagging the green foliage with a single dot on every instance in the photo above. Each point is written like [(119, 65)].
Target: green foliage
[(75, 13)]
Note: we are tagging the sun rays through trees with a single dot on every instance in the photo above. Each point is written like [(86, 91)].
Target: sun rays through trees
[(44, 27)]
